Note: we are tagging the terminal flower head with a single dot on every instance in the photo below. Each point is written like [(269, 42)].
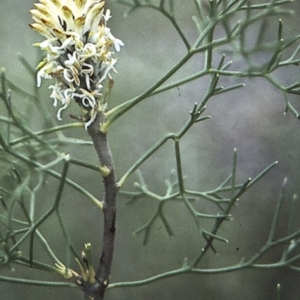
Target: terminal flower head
[(78, 50)]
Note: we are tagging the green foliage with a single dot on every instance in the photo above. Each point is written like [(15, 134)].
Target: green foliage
[(28, 159)]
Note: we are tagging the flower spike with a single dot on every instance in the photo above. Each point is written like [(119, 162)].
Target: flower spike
[(78, 52)]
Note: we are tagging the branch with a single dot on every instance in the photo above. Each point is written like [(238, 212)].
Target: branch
[(97, 289)]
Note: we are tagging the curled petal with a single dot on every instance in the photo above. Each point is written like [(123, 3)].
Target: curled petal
[(87, 69), (67, 103), (73, 61), (89, 50), (56, 94), (45, 72), (89, 96), (92, 117), (68, 75)]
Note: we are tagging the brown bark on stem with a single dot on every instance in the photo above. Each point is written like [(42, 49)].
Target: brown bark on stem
[(96, 291)]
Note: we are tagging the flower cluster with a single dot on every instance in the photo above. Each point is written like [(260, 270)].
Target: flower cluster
[(78, 47)]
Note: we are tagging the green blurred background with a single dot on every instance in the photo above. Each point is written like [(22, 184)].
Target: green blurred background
[(249, 119)]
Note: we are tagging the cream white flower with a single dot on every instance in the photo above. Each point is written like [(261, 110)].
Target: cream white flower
[(78, 49)]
